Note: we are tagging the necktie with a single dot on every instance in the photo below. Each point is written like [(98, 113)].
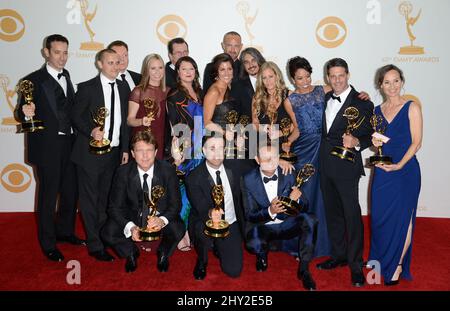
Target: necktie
[(267, 179), (144, 205), (336, 97), (125, 80), (218, 179), (111, 123)]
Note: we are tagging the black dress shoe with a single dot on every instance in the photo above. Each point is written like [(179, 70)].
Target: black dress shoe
[(307, 279), (331, 264), (199, 271), (163, 263), (72, 239), (54, 255), (261, 263), (131, 263), (102, 255), (391, 283), (358, 279)]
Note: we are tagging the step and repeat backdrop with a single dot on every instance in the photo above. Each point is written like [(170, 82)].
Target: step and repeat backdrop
[(367, 33)]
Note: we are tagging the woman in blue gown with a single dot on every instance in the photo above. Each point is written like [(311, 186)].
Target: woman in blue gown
[(185, 114), (395, 187), (305, 107)]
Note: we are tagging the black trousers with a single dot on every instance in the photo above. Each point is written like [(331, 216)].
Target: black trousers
[(229, 248), (94, 186), (343, 213), (303, 226), (113, 236), (58, 178)]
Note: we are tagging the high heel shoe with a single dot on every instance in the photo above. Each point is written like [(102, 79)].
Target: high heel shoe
[(394, 282)]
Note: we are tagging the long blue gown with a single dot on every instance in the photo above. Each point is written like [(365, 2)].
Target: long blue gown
[(308, 109), (394, 199)]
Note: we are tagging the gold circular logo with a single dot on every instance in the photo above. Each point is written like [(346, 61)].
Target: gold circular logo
[(413, 98), (12, 25), (15, 178), (169, 27), (331, 32)]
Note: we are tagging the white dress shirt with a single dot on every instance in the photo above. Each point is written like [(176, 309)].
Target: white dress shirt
[(115, 141), (272, 192), (230, 214), (333, 107), (149, 172), (253, 81), (128, 78)]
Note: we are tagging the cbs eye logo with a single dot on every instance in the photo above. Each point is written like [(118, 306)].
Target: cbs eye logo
[(169, 27), (331, 32), (15, 178), (12, 25)]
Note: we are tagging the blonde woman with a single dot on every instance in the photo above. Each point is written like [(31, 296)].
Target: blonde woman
[(151, 89)]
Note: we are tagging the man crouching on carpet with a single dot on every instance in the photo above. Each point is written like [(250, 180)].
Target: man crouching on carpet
[(265, 215), (128, 210)]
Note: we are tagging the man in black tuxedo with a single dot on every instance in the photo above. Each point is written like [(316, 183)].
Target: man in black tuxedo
[(177, 48), (265, 216), (128, 210), (199, 183), (129, 77), (95, 172), (339, 178), (232, 45), (49, 149), (243, 88)]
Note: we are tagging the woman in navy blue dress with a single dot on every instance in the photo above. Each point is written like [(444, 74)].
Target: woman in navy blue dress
[(395, 188)]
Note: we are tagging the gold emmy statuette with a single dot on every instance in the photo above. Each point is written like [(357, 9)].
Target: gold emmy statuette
[(352, 115), (379, 127), (100, 146), (221, 228), (32, 125), (151, 234), (88, 17), (181, 148), (151, 109), (231, 117), (293, 207), (405, 8), (4, 82), (243, 121), (285, 127)]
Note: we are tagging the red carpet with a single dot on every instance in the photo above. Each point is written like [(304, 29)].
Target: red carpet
[(24, 267)]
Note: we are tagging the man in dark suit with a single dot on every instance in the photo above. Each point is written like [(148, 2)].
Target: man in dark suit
[(95, 172), (232, 45), (129, 77), (177, 48), (127, 206), (265, 216), (339, 178), (199, 183), (49, 149), (243, 88)]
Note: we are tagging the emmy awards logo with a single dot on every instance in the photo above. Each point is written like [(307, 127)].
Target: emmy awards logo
[(405, 8), (88, 17), (243, 8), (9, 94)]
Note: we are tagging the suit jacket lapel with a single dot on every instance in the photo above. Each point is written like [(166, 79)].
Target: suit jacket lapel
[(324, 115), (70, 89), (136, 184), (260, 190), (340, 115), (48, 87)]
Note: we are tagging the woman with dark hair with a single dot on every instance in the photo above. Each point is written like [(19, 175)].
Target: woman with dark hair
[(395, 187), (185, 114)]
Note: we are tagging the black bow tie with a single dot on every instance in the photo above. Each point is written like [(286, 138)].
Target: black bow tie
[(336, 97), (267, 179), (60, 75)]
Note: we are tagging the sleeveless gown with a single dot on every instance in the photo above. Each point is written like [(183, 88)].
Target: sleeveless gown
[(308, 109), (394, 197)]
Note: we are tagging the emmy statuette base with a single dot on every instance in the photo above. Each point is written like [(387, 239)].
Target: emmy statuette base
[(220, 231), (343, 153)]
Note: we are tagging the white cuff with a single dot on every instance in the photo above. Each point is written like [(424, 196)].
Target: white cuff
[(273, 216), (165, 220), (127, 229)]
